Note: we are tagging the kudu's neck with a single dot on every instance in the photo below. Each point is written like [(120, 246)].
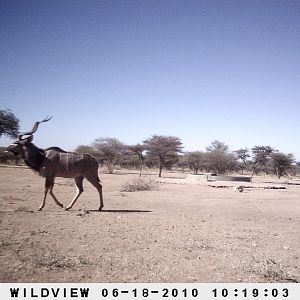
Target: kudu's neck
[(33, 156)]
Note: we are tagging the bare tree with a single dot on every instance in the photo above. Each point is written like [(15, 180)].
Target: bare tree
[(164, 148), (55, 162)]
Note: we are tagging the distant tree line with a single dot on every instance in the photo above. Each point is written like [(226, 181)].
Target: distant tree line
[(166, 152), (155, 152)]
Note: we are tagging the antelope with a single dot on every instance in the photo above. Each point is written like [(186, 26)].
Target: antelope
[(54, 162)]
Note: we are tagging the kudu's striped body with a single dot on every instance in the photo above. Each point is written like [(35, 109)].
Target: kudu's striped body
[(55, 162)]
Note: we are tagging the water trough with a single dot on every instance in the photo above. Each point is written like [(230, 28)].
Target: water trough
[(216, 177)]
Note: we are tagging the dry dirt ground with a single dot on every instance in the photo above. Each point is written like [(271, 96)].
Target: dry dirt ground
[(179, 233)]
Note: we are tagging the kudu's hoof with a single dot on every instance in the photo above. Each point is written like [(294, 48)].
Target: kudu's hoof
[(67, 208)]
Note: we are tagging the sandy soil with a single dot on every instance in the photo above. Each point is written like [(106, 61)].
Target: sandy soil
[(182, 232)]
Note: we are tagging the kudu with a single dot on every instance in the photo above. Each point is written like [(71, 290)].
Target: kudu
[(55, 162)]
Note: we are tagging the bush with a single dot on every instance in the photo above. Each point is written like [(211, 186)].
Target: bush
[(139, 185)]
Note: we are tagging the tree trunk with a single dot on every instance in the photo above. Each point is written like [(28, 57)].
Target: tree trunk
[(160, 169), (141, 168), (253, 170)]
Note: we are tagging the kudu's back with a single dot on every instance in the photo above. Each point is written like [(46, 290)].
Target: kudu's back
[(68, 164)]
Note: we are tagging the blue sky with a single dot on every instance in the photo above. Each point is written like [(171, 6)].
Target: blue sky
[(200, 70)]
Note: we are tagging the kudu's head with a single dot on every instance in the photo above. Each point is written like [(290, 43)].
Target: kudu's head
[(17, 147)]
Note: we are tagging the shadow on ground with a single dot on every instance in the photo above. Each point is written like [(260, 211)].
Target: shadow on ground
[(120, 211)]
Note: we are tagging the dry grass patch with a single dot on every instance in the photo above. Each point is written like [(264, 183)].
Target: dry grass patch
[(139, 184)]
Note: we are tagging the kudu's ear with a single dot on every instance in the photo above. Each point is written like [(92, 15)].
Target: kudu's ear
[(30, 139)]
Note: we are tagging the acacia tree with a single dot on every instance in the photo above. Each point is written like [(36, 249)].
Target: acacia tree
[(109, 151), (261, 158), (196, 160), (281, 163), (244, 155), (220, 159), (217, 146), (163, 148), (139, 149), (9, 124), (220, 162)]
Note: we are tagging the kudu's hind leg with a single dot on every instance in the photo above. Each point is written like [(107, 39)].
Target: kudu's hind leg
[(95, 182), (48, 183), (78, 182)]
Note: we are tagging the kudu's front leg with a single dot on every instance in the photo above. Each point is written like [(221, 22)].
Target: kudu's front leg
[(48, 183), (53, 196)]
